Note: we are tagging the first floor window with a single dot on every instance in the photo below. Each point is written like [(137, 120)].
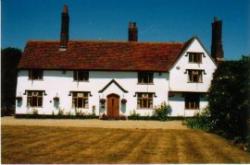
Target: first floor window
[(195, 76), (192, 101), (35, 98), (145, 100), (80, 99), (195, 57), (145, 77), (36, 74), (81, 75)]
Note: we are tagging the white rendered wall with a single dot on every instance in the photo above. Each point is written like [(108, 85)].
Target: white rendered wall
[(179, 80), (177, 103), (59, 83)]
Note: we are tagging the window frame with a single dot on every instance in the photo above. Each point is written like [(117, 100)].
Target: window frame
[(191, 75), (32, 74), (76, 75), (192, 58), (149, 100), (192, 101), (31, 96), (145, 77), (84, 100)]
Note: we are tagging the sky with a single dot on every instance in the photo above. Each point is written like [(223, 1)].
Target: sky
[(157, 21)]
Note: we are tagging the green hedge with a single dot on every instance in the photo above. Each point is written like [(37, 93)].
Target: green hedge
[(33, 116), (229, 99)]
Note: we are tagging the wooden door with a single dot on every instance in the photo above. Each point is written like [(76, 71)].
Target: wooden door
[(113, 105)]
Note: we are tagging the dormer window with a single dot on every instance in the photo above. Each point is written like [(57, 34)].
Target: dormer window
[(81, 75), (194, 76), (145, 77), (35, 74), (195, 57)]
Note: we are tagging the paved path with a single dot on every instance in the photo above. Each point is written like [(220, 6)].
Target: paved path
[(94, 123)]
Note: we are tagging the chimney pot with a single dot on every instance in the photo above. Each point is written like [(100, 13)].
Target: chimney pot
[(65, 9), (132, 32)]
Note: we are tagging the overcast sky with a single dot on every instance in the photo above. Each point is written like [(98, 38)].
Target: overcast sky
[(157, 20)]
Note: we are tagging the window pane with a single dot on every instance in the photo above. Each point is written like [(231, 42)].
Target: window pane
[(39, 101)]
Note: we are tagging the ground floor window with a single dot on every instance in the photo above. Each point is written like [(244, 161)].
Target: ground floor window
[(80, 99), (145, 100), (35, 98), (192, 101)]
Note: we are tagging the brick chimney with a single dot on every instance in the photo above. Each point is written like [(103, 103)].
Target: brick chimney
[(64, 28), (216, 46), (132, 32)]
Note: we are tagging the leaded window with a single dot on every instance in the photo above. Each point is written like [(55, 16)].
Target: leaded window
[(195, 76), (145, 100), (192, 101), (80, 99), (145, 77), (35, 98), (81, 75)]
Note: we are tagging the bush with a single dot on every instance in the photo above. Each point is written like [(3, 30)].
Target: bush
[(105, 117), (134, 116), (200, 121), (162, 111)]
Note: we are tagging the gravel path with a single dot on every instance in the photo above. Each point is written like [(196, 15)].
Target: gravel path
[(94, 123)]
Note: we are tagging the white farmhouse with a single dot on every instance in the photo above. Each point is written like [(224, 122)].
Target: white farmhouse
[(115, 78)]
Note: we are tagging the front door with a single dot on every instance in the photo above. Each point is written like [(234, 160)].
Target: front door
[(113, 105)]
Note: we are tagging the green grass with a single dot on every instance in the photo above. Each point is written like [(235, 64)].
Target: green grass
[(31, 144)]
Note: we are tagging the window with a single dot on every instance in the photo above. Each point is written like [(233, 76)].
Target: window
[(145, 77), (81, 75), (192, 101), (195, 57), (195, 76), (80, 99), (35, 98), (35, 74), (145, 100)]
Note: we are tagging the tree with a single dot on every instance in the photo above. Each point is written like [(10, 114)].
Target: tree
[(229, 99), (10, 58)]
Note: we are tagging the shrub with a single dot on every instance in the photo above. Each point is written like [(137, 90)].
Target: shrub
[(34, 112), (60, 112), (200, 121), (162, 111), (134, 116)]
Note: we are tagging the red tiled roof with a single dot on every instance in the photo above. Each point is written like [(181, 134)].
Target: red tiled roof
[(101, 55)]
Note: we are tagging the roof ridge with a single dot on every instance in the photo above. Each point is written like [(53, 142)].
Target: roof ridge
[(105, 41)]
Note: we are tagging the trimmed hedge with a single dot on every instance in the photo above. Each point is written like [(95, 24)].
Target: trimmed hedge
[(34, 116)]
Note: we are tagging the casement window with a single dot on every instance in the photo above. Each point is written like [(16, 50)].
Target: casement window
[(192, 101), (195, 76), (81, 75), (34, 98), (145, 100), (36, 74), (145, 77), (80, 99), (195, 57)]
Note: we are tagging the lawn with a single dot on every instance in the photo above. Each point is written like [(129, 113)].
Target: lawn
[(33, 144)]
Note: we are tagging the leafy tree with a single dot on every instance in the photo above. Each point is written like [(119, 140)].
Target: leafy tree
[(9, 60), (229, 99)]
